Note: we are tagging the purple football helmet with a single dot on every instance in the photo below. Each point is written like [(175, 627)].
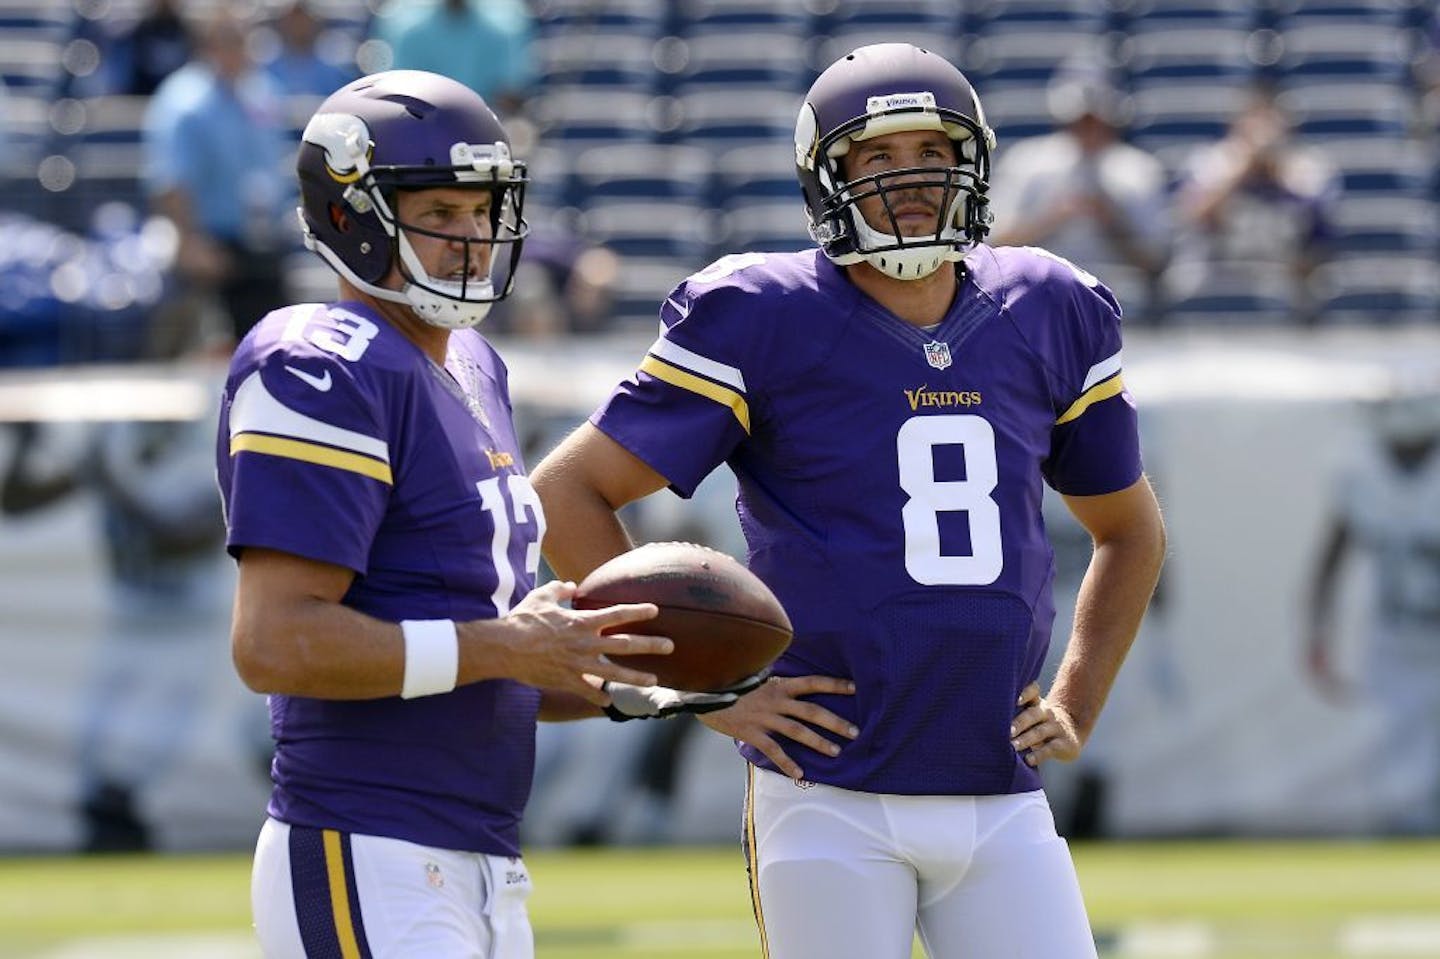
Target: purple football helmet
[(408, 130), (875, 91)]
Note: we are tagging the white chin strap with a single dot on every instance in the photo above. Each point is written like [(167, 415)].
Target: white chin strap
[(917, 260)]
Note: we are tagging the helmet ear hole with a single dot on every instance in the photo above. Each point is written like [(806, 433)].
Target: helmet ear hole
[(339, 219)]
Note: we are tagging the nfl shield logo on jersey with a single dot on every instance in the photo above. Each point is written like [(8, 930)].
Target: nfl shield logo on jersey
[(937, 354)]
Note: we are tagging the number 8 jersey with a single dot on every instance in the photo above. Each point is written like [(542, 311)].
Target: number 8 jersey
[(340, 441), (890, 484)]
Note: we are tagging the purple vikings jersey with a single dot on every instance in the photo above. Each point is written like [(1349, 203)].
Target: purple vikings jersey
[(890, 484), (340, 441)]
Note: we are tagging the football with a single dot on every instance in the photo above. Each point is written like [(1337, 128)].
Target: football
[(726, 624)]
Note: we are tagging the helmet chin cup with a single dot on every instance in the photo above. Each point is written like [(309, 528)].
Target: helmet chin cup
[(447, 312)]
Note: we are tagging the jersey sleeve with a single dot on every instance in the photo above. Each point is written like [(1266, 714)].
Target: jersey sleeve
[(689, 404), (1095, 443), (309, 469)]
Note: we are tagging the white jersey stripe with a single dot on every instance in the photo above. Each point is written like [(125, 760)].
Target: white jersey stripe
[(255, 410), (695, 363), (1105, 368)]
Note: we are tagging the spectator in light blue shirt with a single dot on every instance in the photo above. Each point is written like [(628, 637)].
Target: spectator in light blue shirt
[(484, 44), (299, 68), (215, 164)]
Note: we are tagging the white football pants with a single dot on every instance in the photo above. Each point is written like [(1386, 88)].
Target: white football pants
[(321, 893), (836, 874)]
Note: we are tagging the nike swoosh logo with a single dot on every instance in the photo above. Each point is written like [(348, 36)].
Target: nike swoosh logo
[(321, 383)]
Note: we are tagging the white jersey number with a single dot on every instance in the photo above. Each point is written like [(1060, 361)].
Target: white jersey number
[(521, 496), (335, 330), (929, 497)]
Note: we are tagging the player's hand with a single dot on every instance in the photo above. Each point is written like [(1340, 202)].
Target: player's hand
[(1043, 730), (551, 646), (660, 702), (777, 710)]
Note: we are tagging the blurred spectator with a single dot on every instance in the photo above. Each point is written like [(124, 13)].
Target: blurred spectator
[(1084, 194), (1387, 510), (215, 157), (567, 288), (156, 46), (298, 68), (485, 44), (168, 594), (1254, 218)]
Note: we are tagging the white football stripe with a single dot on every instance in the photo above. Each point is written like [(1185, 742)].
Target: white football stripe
[(695, 363), (256, 411), (1103, 370)]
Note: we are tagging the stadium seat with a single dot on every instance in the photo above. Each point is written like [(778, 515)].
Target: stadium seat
[(1337, 52), (642, 285), (747, 175), (1350, 109), (651, 228), (1383, 166), (766, 226), (582, 116), (719, 118), (611, 58), (744, 60), (1031, 56), (1172, 119), (993, 17), (1386, 224), (647, 171), (1016, 112), (642, 17), (694, 18), (1383, 290)]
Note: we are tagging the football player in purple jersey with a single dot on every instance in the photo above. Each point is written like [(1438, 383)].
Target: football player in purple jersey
[(388, 543), (891, 404)]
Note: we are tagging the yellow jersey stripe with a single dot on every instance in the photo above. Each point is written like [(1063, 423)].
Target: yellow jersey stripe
[(753, 860), (688, 381), (339, 896), (311, 453), (1098, 392)]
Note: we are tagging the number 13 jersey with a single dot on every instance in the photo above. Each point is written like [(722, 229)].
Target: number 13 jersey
[(890, 484)]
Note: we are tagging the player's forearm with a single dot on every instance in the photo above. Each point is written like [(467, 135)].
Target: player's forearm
[(581, 528), (325, 650), (1112, 601)]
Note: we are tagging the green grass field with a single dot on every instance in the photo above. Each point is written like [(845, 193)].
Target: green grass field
[(1226, 900)]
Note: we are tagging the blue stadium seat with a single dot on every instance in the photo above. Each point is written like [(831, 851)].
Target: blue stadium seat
[(697, 17), (993, 17), (645, 171), (1350, 109), (720, 118), (743, 60), (583, 116), (610, 58), (642, 285), (1338, 52), (766, 226), (748, 175), (642, 17), (1387, 290), (651, 228), (1383, 166), (1173, 119), (1386, 224)]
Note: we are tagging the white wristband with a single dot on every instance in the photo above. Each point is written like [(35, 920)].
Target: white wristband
[(432, 657)]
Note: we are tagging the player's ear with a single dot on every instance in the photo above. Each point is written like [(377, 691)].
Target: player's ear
[(339, 219)]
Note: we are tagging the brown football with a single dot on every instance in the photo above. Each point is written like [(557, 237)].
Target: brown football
[(726, 624)]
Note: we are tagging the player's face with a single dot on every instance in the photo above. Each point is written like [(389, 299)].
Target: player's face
[(438, 222), (915, 199)]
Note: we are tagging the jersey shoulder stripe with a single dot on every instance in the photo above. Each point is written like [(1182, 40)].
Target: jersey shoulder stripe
[(1101, 382), (686, 380), (260, 423)]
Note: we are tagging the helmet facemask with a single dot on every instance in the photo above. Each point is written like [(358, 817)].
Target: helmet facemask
[(948, 106), (370, 199)]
